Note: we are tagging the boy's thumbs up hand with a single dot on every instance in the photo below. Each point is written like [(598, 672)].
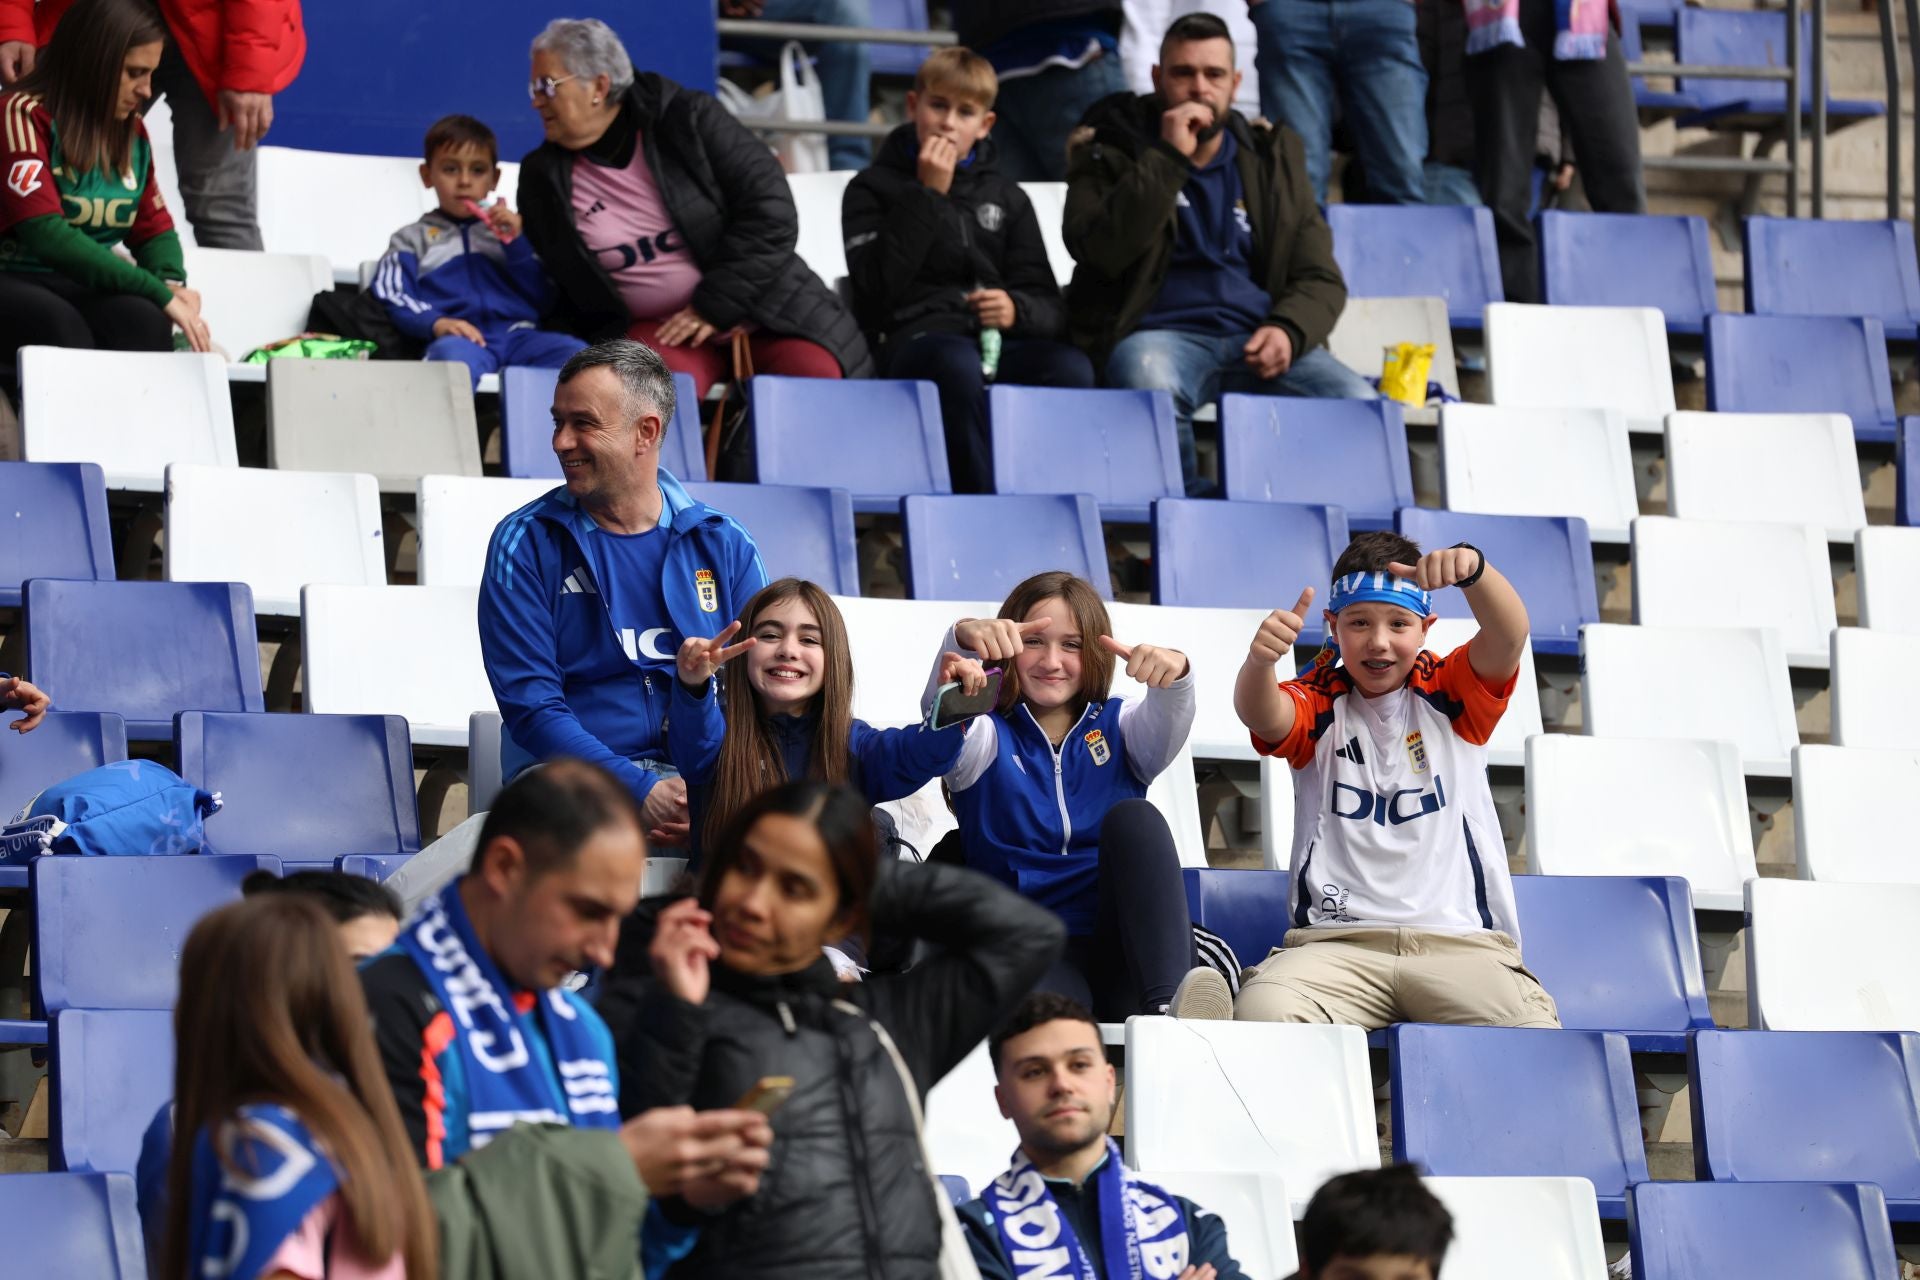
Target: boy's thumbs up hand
[(1279, 630), (1440, 568)]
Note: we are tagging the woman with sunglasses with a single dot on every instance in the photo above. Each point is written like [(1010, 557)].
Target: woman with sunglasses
[(663, 220)]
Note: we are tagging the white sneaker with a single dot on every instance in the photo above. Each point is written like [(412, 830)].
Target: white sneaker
[(1202, 994)]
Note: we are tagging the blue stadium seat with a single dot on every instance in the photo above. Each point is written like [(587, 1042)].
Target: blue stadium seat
[(1907, 473), (896, 59), (1246, 907), (1686, 1230), (1810, 267), (802, 533), (1497, 1101), (304, 788), (1280, 547), (1118, 445), (1617, 953), (1419, 251), (145, 650), (1351, 453), (526, 427), (878, 440), (1549, 560), (58, 526), (1781, 1106), (72, 1224), (66, 743), (371, 866), (109, 930), (1802, 364), (1727, 38), (1629, 260), (112, 1071), (981, 546), (956, 1188), (1634, 18)]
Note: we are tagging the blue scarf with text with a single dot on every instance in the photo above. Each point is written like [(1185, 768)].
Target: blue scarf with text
[(1143, 1233), (246, 1204)]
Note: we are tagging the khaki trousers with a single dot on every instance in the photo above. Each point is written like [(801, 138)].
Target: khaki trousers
[(1375, 977)]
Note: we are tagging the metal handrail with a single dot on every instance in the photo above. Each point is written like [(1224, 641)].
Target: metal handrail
[(1890, 65), (1707, 71), (1893, 105), (756, 29)]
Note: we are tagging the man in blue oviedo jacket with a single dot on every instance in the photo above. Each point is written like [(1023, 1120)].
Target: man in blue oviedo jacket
[(590, 589)]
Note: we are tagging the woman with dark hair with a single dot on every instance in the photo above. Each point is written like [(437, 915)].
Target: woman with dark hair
[(367, 913), (79, 181), (740, 992)]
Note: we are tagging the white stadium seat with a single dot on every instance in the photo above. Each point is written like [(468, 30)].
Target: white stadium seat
[(1368, 326), (1795, 468), (1204, 1096), (1050, 210), (966, 1134), (398, 419), (816, 199), (1713, 573), (251, 299), (1691, 682), (1539, 462), (411, 651), (1876, 688), (1215, 642), (1844, 826), (1173, 794), (302, 209), (132, 412), (1888, 563), (894, 644), (1591, 357), (1508, 746), (1832, 957), (276, 531), (457, 516), (1523, 1228), (1256, 1211), (1687, 816)]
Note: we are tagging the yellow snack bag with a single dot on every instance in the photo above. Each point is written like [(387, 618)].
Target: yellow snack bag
[(1403, 376)]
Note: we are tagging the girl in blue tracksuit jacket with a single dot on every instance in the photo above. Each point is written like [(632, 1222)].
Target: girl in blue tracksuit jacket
[(1049, 790), (787, 712)]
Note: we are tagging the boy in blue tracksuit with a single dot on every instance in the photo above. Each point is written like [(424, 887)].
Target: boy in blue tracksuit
[(462, 279)]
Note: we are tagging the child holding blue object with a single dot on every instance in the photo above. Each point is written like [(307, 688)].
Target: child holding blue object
[(462, 279)]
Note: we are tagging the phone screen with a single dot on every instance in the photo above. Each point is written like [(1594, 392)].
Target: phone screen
[(952, 705)]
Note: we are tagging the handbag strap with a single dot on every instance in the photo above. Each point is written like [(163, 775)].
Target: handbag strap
[(741, 356)]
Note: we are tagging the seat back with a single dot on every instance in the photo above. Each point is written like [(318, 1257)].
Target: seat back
[(456, 517), (129, 412), (877, 440), (1888, 563), (375, 866), (1367, 326), (1539, 462), (276, 531), (1508, 745), (58, 528), (100, 1110), (1523, 1228), (1594, 357), (301, 210), (981, 546), (1440, 251), (1802, 364), (1298, 545), (526, 427), (1805, 975), (1688, 817), (801, 533), (1681, 579), (1250, 909), (1843, 828), (894, 644), (277, 802), (250, 299), (412, 651), (1683, 1230), (399, 420), (1629, 260), (1049, 201), (1548, 559), (1632, 686), (1906, 501), (1795, 468), (65, 743), (898, 15), (1174, 794), (1346, 453), (1876, 688), (485, 775), (1740, 39), (1811, 267), (1254, 1208), (73, 1224), (1116, 444), (816, 201), (966, 1134), (1215, 642)]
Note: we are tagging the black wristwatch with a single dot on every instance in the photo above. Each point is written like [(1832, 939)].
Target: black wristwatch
[(1478, 569)]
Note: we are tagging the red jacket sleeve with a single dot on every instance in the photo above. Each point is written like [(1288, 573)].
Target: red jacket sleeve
[(16, 22), (262, 46), (27, 188)]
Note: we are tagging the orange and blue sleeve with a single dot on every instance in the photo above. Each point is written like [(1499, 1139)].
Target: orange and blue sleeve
[(1473, 704)]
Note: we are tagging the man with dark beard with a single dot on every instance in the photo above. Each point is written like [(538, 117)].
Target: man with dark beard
[(1203, 262)]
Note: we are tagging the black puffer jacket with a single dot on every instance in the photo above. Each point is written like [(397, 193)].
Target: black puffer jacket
[(729, 201), (846, 1195)]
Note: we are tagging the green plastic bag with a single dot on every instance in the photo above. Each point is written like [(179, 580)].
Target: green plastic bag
[(313, 346)]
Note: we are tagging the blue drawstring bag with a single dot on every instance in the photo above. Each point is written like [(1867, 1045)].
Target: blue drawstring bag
[(130, 807)]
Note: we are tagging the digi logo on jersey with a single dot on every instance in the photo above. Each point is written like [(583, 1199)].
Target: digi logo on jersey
[(92, 211), (1357, 804)]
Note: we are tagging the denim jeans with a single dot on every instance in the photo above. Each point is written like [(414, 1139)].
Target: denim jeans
[(1364, 51), (1036, 113), (1196, 367), (841, 66)]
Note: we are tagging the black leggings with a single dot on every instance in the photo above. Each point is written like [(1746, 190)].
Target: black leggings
[(47, 309), (1142, 940)]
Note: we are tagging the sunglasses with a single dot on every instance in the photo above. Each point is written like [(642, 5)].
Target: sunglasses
[(547, 85)]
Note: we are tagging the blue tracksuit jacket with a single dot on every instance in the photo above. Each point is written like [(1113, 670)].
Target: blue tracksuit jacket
[(456, 267)]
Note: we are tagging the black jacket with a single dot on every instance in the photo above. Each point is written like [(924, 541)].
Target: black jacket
[(914, 254), (981, 22), (1122, 184), (728, 199), (847, 1193)]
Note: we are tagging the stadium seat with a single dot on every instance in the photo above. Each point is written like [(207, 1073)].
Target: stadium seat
[(1201, 1096), (1346, 453), (73, 1224), (1496, 1100), (455, 517), (816, 200), (411, 651), (981, 546), (1888, 562), (58, 528), (966, 1134), (1629, 260), (1367, 326), (276, 531), (1832, 957), (276, 801), (109, 930), (249, 299), (1215, 642), (1175, 795), (1547, 558), (1688, 817), (1523, 1228), (878, 440), (897, 15), (1250, 909), (301, 209), (65, 743), (1581, 357), (1508, 745), (1685, 1230), (399, 420), (1802, 364), (1907, 476), (1283, 548), (526, 427), (1724, 38), (100, 1107), (1050, 211), (1700, 573), (1116, 444), (1788, 1106), (1539, 462), (129, 412), (1617, 953), (484, 772), (894, 645), (1440, 251), (1876, 688), (144, 650), (1844, 829), (1256, 1211), (376, 867), (1794, 468), (958, 1192), (801, 533), (1811, 267), (1636, 16), (1726, 683)]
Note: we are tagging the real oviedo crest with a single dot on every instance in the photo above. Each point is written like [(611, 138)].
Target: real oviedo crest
[(703, 586), (1097, 747)]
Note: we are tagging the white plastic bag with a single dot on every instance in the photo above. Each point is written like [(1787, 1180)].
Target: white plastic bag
[(798, 97)]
